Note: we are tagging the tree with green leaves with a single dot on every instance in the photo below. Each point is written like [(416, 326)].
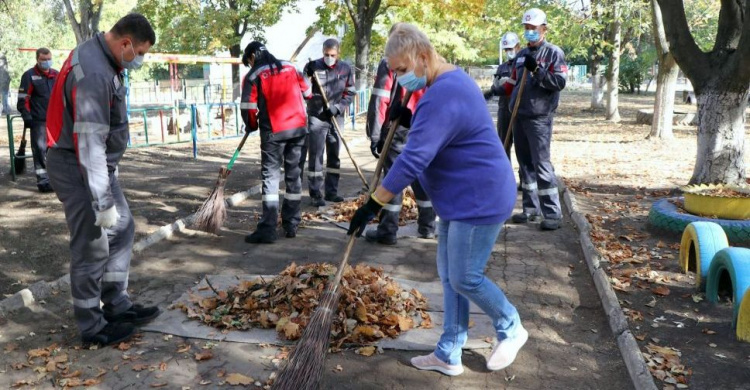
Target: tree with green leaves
[(721, 80), (209, 26)]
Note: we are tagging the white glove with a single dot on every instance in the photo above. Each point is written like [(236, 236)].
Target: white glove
[(107, 218)]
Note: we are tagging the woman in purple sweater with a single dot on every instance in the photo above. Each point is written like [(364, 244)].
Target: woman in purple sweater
[(455, 153)]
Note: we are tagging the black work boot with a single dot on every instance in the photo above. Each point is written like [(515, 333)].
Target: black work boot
[(525, 217), (112, 333), (550, 224), (45, 188), (137, 315), (290, 232), (260, 238), (373, 236), (334, 198), (317, 202)]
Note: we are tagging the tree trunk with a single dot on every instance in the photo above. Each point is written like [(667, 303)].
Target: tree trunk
[(597, 85), (236, 52), (613, 71), (90, 14), (666, 83), (362, 41), (721, 136)]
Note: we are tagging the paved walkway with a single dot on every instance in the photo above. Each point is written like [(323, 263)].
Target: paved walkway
[(543, 273)]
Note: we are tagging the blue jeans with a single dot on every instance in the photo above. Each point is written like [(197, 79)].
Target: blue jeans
[(463, 252)]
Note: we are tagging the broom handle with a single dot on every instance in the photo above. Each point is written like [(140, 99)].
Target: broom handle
[(373, 184), (509, 134), (237, 151), (338, 131)]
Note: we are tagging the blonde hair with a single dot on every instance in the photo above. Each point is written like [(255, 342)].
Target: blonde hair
[(407, 40)]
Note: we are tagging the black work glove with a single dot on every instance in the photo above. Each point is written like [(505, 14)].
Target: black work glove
[(400, 113), (529, 61), (309, 69), (374, 148), (26, 124), (363, 216), (488, 95), (329, 113)]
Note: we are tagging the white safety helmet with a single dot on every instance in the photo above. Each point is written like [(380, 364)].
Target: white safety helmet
[(534, 17), (509, 41)]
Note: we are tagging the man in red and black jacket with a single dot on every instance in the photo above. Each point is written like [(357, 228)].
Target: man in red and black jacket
[(272, 101), (337, 79), (377, 118), (33, 98)]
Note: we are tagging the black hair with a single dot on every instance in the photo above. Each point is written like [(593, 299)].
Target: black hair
[(137, 27), (41, 50), (262, 56), (331, 43)]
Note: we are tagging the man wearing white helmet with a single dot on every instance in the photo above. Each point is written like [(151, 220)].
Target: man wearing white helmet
[(544, 64), (510, 45)]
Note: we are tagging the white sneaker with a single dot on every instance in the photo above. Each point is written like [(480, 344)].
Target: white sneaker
[(505, 351), (431, 362)]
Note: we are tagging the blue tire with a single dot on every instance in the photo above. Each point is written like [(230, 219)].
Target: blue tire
[(732, 265), (665, 215)]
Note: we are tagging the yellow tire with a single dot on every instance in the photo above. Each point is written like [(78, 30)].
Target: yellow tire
[(700, 242), (743, 318)]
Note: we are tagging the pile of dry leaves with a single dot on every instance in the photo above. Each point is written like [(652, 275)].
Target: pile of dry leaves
[(372, 305), (53, 360), (343, 212)]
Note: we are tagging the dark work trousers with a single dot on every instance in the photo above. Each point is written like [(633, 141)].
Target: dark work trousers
[(503, 119), (389, 215), (323, 139), (39, 151), (100, 258), (532, 137), (272, 155)]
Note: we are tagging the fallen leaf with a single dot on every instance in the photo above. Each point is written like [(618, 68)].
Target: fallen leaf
[(184, 348), (697, 297), (365, 351), (239, 379), (708, 331), (163, 366), (338, 368), (652, 303), (201, 356), (124, 346), (640, 337), (660, 290), (139, 367), (160, 384)]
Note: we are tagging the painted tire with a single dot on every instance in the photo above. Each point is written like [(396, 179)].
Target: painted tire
[(700, 242), (664, 215), (736, 263), (743, 319)]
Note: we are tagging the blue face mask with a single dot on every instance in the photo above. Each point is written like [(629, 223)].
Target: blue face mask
[(135, 63), (531, 35), (411, 82), (45, 65)]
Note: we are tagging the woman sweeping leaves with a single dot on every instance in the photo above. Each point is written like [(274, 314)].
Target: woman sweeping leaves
[(455, 153)]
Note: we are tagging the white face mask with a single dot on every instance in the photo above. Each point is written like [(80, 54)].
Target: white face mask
[(330, 61), (511, 54)]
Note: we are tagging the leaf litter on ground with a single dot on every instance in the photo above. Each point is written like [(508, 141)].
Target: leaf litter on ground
[(372, 305)]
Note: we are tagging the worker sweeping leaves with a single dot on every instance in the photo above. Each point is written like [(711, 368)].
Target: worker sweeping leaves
[(272, 95)]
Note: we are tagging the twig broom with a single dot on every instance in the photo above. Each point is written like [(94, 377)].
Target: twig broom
[(305, 366)]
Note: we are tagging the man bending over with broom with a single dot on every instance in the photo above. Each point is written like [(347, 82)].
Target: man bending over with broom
[(87, 134), (272, 101)]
